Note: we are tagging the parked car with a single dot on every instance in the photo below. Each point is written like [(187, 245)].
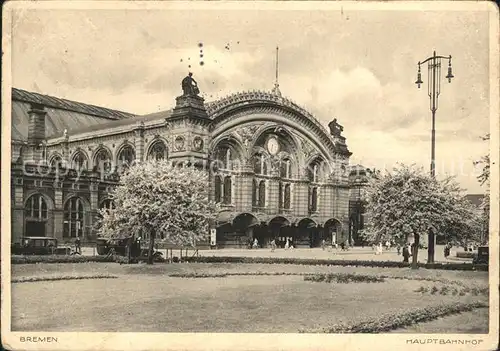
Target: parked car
[(482, 256), (39, 245)]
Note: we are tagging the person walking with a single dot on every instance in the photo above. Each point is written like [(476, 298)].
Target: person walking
[(380, 248), (273, 245), (398, 247), (287, 245), (255, 244), (446, 251), (323, 244), (406, 253), (78, 248)]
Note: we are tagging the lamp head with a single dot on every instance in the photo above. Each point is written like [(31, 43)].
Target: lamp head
[(419, 77)]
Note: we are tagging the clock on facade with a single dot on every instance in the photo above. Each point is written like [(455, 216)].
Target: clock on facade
[(272, 145)]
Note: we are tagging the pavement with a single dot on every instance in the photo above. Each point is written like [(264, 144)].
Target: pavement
[(355, 253)]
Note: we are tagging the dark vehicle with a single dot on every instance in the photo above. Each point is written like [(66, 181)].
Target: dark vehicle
[(482, 256), (119, 247), (39, 245)]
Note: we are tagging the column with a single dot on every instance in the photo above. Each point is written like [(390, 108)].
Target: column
[(139, 142), (58, 211), (18, 211)]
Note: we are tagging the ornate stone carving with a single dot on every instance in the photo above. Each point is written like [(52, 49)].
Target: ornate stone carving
[(246, 133), (179, 143), (307, 148)]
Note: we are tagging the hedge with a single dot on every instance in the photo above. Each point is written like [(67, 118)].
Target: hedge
[(15, 259), (21, 259), (464, 254), (64, 277), (344, 278), (389, 322), (322, 262)]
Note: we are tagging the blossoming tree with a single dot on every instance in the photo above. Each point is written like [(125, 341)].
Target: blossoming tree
[(157, 199), (409, 203)]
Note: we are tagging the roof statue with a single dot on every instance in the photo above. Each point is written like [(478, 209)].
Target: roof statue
[(65, 134), (335, 128), (189, 86)]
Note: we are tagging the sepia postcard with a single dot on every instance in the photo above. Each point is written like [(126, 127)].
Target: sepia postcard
[(250, 175)]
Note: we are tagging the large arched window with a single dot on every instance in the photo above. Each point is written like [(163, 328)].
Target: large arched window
[(255, 192), (36, 207), (56, 161), (287, 197), (36, 215), (103, 161), (73, 218), (80, 161), (157, 151), (126, 157)]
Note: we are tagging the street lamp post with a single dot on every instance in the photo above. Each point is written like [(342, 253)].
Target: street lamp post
[(434, 89)]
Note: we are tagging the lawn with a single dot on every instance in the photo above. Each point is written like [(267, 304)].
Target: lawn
[(144, 298)]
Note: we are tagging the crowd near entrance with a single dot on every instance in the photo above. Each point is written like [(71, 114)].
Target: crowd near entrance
[(246, 230)]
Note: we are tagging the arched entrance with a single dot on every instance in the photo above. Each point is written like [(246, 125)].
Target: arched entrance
[(307, 232), (235, 229), (332, 231), (279, 229)]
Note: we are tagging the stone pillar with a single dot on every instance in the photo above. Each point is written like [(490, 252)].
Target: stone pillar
[(245, 183), (301, 199), (58, 211), (94, 206), (273, 190), (139, 143)]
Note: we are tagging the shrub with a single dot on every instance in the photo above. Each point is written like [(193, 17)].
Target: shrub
[(323, 262), (344, 278), (434, 290), (389, 322)]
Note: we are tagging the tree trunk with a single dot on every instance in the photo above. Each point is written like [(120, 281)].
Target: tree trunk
[(414, 262), (430, 246), (151, 246)]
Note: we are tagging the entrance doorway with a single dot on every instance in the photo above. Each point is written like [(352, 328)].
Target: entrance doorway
[(35, 228)]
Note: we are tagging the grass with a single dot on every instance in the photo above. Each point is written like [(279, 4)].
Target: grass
[(148, 300)]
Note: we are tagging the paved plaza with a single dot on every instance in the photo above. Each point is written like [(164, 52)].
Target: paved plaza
[(355, 253)]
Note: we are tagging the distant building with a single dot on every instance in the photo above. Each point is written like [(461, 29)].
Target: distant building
[(277, 172)]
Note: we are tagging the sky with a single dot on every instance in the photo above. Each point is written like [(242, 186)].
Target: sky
[(356, 66)]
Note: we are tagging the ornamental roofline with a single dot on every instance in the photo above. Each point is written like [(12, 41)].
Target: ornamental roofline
[(218, 107)]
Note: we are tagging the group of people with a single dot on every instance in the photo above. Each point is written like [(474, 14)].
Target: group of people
[(272, 244)]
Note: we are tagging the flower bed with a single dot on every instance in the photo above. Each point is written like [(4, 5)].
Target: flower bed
[(21, 259), (449, 290), (323, 262), (64, 277), (344, 278), (389, 322)]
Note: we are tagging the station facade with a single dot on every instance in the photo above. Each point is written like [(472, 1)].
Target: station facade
[(277, 172)]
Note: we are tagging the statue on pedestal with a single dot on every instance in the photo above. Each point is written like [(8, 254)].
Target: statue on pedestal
[(189, 86), (335, 128)]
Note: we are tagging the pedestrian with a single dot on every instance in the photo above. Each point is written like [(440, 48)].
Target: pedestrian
[(387, 245), (398, 247), (380, 248), (78, 248), (255, 243), (406, 253), (446, 251), (273, 245), (323, 244), (287, 245)]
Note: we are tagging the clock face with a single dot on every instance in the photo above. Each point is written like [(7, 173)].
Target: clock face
[(273, 146)]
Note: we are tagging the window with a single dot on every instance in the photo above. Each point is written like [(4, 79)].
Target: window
[(262, 193), (157, 151), (103, 161), (285, 169), (227, 190), (80, 161), (36, 207), (255, 193), (56, 161), (288, 197), (107, 204), (126, 156), (73, 218), (313, 199), (218, 188), (260, 165)]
